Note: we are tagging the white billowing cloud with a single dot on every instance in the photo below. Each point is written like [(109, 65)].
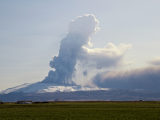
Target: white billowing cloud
[(85, 26), (108, 56), (155, 61)]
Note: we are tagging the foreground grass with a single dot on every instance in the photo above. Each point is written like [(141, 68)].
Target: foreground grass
[(82, 111)]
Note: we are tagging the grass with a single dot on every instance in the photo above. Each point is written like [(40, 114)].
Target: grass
[(81, 111)]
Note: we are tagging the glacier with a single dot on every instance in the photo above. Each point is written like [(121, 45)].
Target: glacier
[(39, 87)]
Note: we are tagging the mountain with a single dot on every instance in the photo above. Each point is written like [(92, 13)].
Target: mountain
[(40, 87), (50, 92)]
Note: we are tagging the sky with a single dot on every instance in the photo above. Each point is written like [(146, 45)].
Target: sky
[(31, 32)]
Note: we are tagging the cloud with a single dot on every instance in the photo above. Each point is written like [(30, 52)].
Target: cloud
[(85, 72), (74, 47), (144, 78), (108, 56), (78, 35), (85, 25), (155, 61)]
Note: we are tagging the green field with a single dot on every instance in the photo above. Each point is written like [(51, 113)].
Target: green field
[(81, 111)]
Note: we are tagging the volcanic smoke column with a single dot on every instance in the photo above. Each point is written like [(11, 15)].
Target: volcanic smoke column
[(78, 35)]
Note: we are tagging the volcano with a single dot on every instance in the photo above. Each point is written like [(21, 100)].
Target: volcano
[(50, 92), (39, 87)]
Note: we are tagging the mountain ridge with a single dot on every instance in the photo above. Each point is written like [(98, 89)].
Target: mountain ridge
[(39, 87)]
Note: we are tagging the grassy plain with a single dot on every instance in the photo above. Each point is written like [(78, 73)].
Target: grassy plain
[(82, 111)]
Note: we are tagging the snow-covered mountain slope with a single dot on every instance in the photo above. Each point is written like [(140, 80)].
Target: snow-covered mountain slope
[(39, 87)]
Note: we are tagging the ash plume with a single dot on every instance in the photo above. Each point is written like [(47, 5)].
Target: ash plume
[(147, 79), (78, 35), (85, 72), (74, 47)]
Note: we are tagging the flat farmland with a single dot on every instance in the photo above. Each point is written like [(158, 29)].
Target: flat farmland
[(98, 110)]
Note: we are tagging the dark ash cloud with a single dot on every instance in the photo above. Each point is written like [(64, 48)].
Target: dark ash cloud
[(85, 72), (145, 78)]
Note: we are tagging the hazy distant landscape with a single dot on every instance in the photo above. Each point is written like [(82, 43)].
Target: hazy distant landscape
[(50, 92), (112, 95)]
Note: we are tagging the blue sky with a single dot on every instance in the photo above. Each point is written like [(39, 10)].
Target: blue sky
[(31, 31)]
